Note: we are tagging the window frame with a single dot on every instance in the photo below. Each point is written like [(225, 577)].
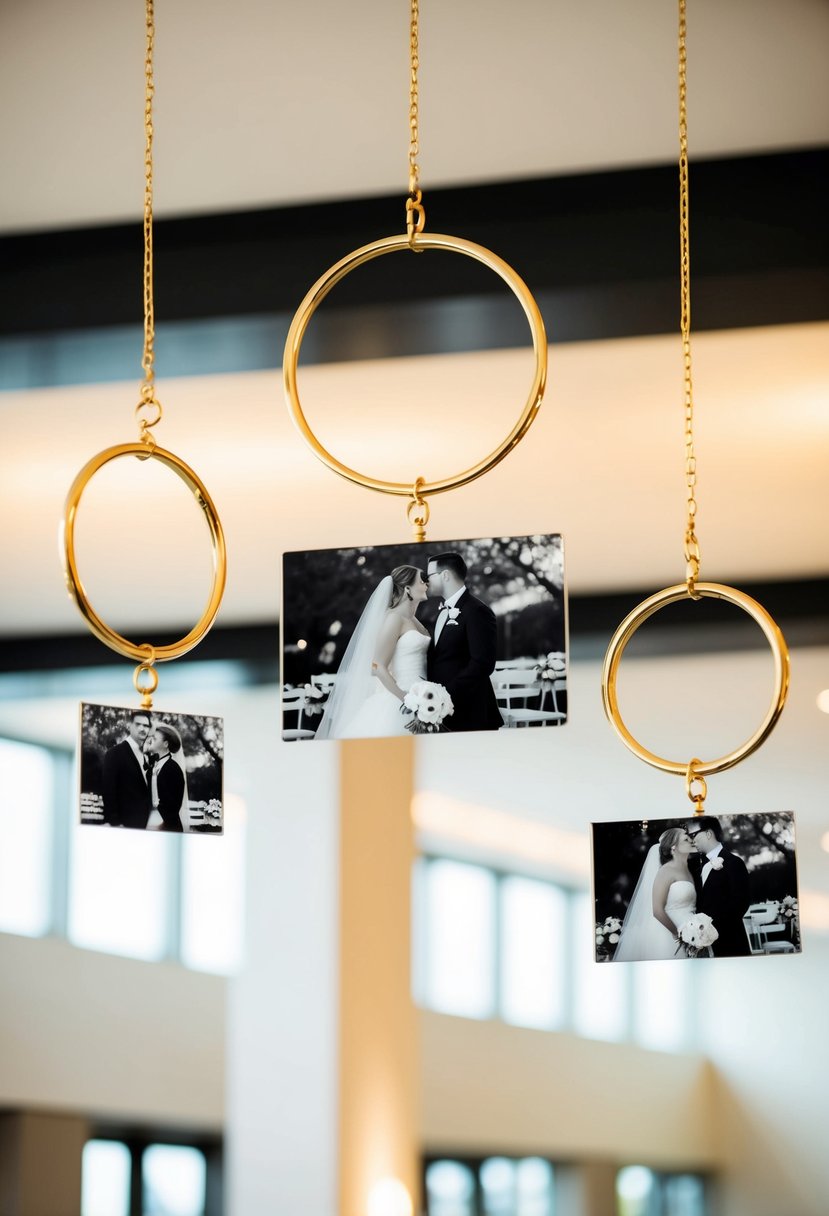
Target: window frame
[(138, 1139)]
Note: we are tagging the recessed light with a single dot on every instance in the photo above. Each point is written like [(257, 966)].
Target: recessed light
[(823, 700)]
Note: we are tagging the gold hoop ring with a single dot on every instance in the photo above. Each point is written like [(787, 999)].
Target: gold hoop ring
[(393, 244), (75, 587), (638, 616)]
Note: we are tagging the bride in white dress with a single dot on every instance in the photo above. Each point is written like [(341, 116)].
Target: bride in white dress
[(386, 655), (664, 899)]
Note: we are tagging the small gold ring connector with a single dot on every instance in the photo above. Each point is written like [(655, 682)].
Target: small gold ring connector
[(691, 776), (415, 218), (421, 519)]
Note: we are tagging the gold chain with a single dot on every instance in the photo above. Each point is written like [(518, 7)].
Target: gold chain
[(415, 211), (692, 554), (148, 411)]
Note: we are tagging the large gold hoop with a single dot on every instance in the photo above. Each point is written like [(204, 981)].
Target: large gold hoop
[(638, 616), (393, 244), (75, 587)]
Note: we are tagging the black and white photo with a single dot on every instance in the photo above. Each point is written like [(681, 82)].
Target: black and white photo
[(154, 771), (444, 637), (705, 886)]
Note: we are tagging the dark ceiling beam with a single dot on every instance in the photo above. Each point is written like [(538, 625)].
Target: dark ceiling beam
[(599, 250), (801, 608)]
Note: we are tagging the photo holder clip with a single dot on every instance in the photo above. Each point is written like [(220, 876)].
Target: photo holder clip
[(697, 796), (415, 238), (146, 689)]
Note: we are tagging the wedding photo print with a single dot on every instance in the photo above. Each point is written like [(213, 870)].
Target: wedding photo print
[(151, 770), (705, 886), (432, 638)]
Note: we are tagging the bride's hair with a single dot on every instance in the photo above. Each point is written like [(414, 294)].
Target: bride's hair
[(171, 735), (401, 578), (667, 841)]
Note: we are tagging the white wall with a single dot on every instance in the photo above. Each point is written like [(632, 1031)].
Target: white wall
[(90, 1032), (281, 1054), (764, 1026)]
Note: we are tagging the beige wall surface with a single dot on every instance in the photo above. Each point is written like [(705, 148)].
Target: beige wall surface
[(489, 1087), (83, 1031)]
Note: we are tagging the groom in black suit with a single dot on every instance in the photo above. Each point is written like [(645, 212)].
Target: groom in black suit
[(722, 887), (461, 655), (125, 780)]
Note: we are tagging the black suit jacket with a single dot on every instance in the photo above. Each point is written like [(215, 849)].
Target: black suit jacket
[(725, 896), (462, 660), (126, 794), (170, 786)]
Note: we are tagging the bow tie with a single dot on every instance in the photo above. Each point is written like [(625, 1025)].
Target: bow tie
[(148, 764)]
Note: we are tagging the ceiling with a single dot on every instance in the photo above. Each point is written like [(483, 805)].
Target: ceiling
[(263, 103)]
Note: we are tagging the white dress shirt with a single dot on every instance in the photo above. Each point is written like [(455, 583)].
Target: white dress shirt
[(139, 755), (711, 854), (443, 615)]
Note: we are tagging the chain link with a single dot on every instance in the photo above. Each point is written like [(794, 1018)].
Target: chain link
[(148, 399), (415, 211), (692, 553)]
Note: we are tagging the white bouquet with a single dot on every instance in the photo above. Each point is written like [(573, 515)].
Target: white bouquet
[(550, 668), (697, 934), (607, 937), (427, 704)]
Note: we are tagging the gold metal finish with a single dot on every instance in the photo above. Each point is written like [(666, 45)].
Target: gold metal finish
[(691, 775), (415, 211), (692, 554), (149, 688), (143, 653), (148, 359), (394, 244), (638, 617), (421, 507)]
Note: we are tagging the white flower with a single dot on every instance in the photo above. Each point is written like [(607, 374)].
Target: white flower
[(716, 863), (453, 614), (427, 703), (614, 937), (698, 933)]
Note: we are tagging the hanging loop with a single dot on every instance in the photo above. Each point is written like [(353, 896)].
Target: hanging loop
[(420, 507), (146, 689), (393, 244), (144, 653), (626, 630), (415, 218), (691, 777)]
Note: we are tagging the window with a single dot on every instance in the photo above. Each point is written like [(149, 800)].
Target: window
[(644, 1192), (533, 946), (174, 1180), (135, 1175), (459, 926), (488, 944), (105, 1179), (26, 782), (143, 895), (492, 1186)]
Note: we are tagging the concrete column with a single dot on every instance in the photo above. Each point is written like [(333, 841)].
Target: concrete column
[(40, 1164), (378, 1081)]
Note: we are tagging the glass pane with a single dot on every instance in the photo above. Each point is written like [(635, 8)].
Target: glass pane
[(26, 800), (118, 890), (105, 1178), (684, 1195), (498, 1186), (174, 1179), (637, 1192), (460, 939), (534, 1187), (533, 929), (450, 1189), (601, 990), (662, 1003), (212, 911)]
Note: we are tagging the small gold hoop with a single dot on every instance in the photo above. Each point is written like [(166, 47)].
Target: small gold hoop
[(146, 690), (691, 775), (153, 420), (143, 653), (637, 617), (394, 244)]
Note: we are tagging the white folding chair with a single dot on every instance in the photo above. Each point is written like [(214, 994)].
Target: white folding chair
[(293, 701), (513, 689)]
